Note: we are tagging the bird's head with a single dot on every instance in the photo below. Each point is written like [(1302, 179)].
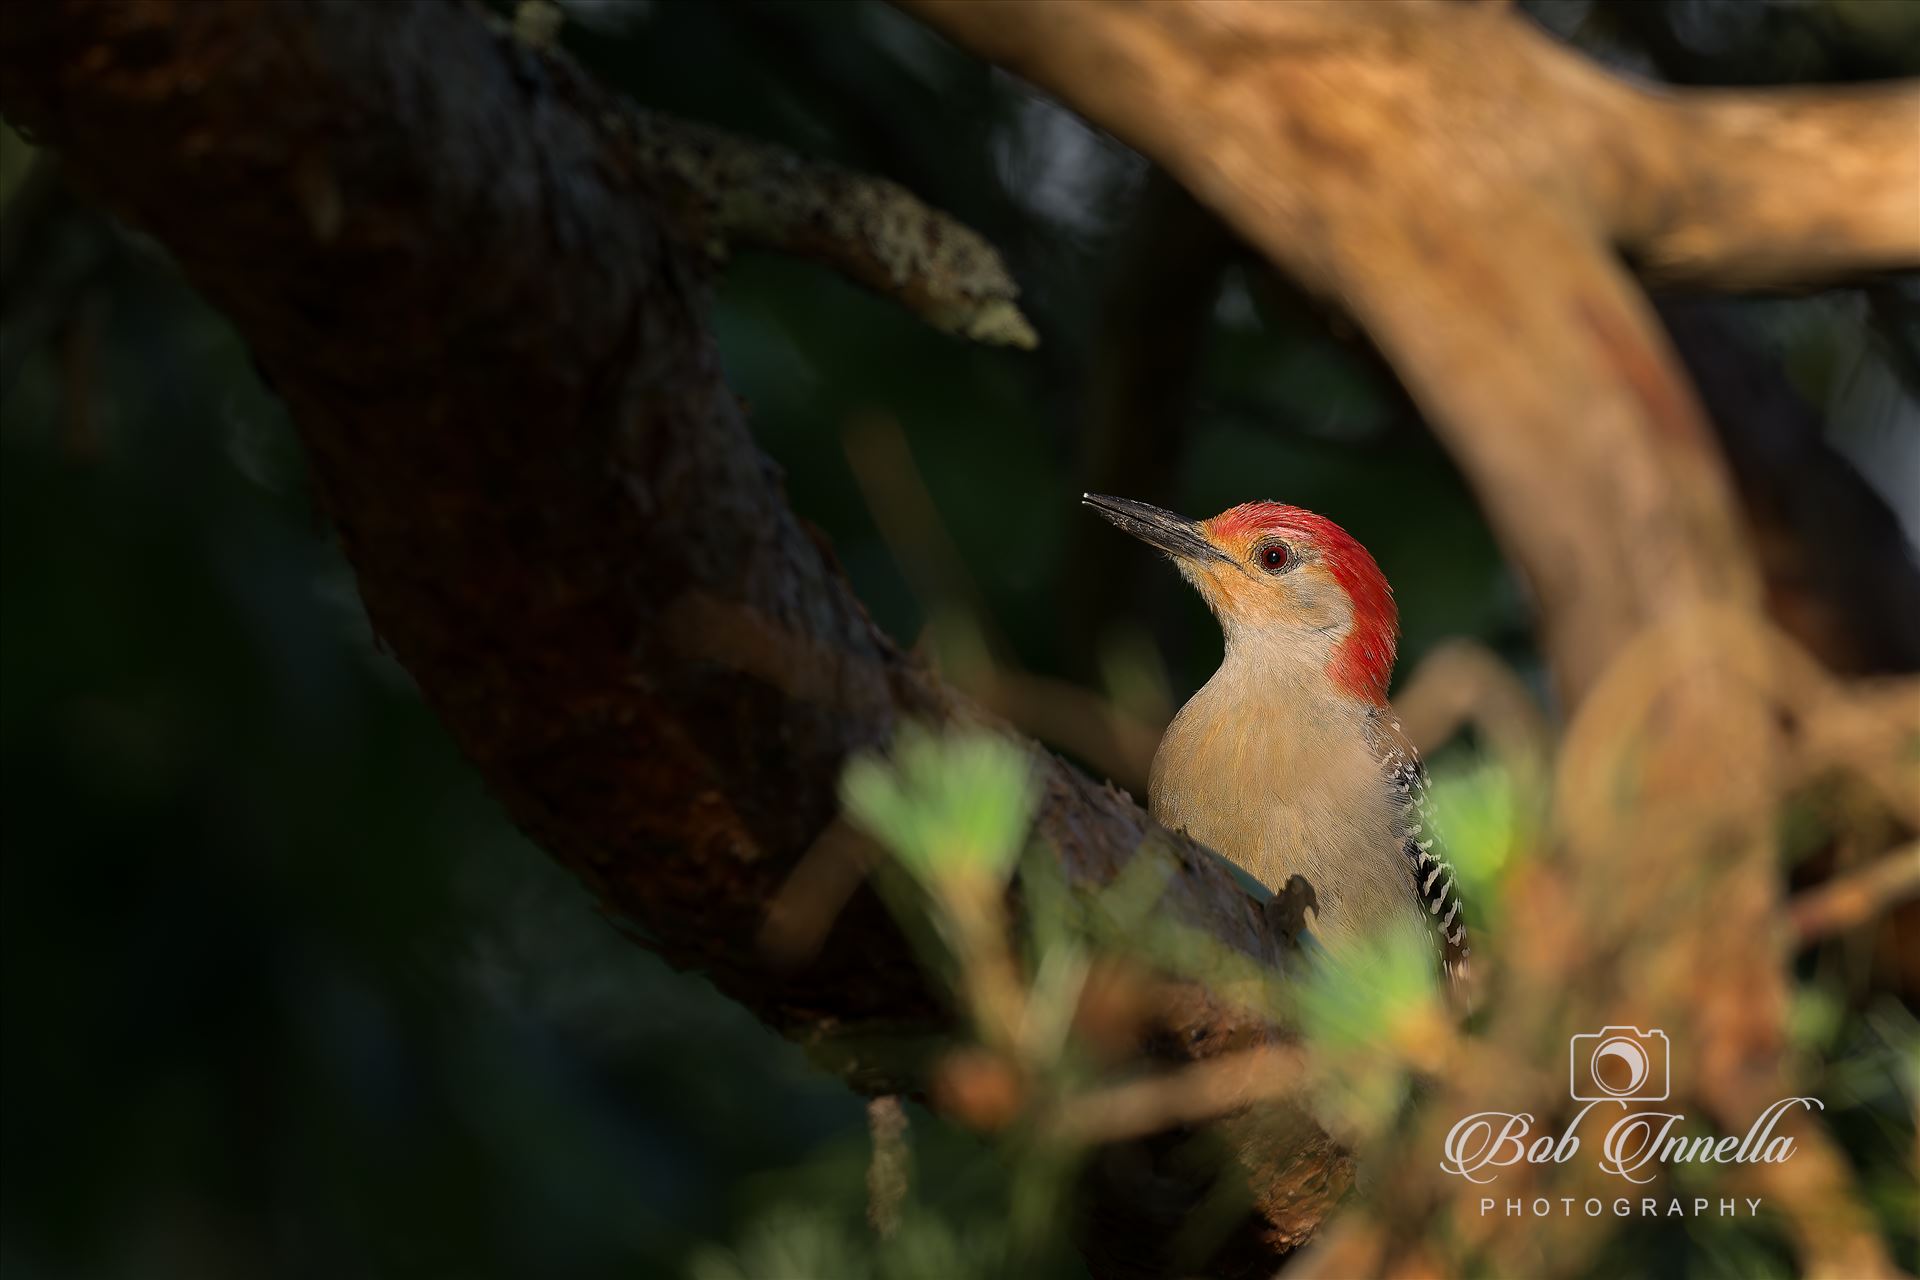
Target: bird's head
[(1276, 575)]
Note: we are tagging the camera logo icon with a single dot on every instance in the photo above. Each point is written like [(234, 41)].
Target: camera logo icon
[(1620, 1064)]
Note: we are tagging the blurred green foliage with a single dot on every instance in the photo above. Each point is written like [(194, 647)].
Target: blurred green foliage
[(280, 991), (945, 807), (1488, 817)]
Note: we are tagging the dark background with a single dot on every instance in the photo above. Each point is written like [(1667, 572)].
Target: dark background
[(280, 990)]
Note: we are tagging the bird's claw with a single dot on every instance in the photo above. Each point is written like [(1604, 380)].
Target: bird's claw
[(1286, 911)]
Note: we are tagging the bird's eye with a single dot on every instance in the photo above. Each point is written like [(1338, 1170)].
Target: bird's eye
[(1274, 557)]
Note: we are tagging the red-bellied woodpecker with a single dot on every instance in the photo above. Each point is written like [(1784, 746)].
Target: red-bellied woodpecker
[(1288, 761)]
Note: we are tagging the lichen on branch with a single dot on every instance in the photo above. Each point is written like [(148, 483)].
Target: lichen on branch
[(873, 231), (734, 192)]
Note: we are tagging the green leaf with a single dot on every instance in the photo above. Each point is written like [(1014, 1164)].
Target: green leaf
[(957, 804), (1356, 999)]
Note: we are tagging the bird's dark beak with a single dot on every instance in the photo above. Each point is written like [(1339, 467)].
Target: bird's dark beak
[(1177, 536)]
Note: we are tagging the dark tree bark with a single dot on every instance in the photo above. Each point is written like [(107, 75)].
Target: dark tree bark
[(490, 331)]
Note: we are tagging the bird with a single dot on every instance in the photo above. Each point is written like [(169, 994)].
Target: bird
[(1289, 761)]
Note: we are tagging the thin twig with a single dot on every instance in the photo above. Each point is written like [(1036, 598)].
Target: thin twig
[(1849, 901), (814, 893), (1204, 1091), (891, 1165)]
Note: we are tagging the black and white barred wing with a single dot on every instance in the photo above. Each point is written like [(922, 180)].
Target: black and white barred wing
[(1432, 877)]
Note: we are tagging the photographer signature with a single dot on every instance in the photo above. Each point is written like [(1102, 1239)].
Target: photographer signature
[(1493, 1140)]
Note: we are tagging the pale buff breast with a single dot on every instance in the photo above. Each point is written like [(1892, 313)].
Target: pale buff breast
[(1277, 776)]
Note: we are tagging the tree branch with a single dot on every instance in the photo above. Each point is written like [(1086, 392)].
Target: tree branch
[(1853, 899), (559, 522), (1350, 143), (1765, 189), (873, 231), (1460, 183), (451, 261)]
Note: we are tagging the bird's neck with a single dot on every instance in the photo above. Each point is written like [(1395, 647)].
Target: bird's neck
[(1302, 669)]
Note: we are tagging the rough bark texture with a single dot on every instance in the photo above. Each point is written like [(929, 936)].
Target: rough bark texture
[(871, 230), (444, 252)]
